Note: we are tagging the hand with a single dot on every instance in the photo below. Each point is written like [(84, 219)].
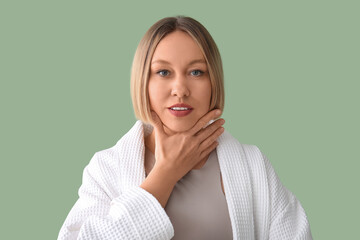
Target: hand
[(179, 153)]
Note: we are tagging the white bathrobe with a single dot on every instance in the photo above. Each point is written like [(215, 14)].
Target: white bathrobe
[(111, 204)]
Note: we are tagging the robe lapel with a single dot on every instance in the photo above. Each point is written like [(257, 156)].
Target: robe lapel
[(237, 185), (132, 152)]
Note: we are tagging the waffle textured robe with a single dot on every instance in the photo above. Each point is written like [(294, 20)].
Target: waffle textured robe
[(111, 204)]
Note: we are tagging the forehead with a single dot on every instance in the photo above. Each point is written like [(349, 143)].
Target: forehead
[(177, 47)]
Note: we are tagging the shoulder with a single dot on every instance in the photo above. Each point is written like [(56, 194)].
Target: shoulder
[(126, 145), (108, 164), (270, 197), (252, 159), (249, 152), (265, 178), (105, 160), (102, 171)]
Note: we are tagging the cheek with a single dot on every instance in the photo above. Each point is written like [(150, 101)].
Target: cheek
[(155, 94), (204, 92), (202, 96), (207, 95)]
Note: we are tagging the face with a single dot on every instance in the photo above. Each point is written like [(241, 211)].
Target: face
[(179, 75)]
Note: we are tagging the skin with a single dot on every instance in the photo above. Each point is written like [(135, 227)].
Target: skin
[(178, 82), (180, 144)]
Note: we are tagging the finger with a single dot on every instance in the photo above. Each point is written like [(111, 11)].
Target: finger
[(208, 150), (206, 132), (157, 123), (212, 138), (205, 120)]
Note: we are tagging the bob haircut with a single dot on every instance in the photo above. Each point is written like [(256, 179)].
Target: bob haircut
[(144, 53)]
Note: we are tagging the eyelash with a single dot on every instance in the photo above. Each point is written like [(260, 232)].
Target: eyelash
[(201, 72)]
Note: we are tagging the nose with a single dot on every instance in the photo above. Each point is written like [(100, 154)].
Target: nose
[(180, 88)]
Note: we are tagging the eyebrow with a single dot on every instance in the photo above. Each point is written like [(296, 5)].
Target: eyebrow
[(190, 63)]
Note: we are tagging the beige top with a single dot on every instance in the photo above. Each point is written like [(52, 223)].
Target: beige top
[(197, 206)]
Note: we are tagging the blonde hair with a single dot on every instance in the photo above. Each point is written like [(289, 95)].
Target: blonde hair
[(144, 53)]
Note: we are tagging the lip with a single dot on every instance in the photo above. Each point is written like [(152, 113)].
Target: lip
[(181, 105), (180, 113)]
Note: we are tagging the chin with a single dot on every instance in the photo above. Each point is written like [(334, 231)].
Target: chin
[(179, 127), (180, 124)]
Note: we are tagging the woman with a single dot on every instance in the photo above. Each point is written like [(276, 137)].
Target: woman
[(177, 174)]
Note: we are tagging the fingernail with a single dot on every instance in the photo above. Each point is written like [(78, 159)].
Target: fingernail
[(218, 112)]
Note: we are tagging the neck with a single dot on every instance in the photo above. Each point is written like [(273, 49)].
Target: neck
[(150, 139), (150, 142)]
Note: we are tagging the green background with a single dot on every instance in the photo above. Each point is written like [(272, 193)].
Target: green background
[(291, 78)]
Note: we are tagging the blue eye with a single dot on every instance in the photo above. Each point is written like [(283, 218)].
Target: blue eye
[(164, 73), (159, 72), (200, 72)]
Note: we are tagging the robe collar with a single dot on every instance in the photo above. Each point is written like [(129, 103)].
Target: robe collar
[(233, 166)]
